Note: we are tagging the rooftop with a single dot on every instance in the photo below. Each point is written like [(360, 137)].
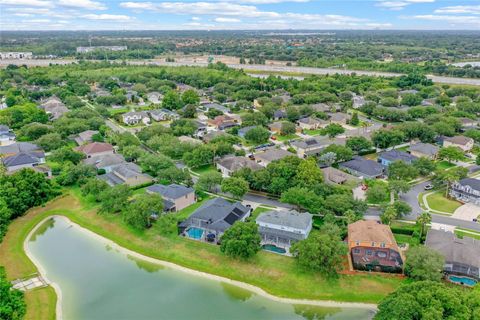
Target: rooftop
[(370, 231), (286, 218), (95, 147), (425, 148), (365, 166), (172, 191), (272, 155), (395, 155), (236, 163), (461, 140)]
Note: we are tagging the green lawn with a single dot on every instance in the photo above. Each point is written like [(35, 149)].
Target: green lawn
[(287, 137), (314, 132), (257, 211), (114, 112), (462, 234), (403, 238), (438, 201), (276, 274), (204, 169), (444, 165)]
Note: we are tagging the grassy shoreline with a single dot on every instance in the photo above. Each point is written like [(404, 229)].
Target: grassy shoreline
[(275, 274)]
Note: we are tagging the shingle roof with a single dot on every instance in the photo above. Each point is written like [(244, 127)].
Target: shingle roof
[(19, 147), (425, 148), (95, 147), (273, 154), (217, 214), (236, 163), (370, 231), (395, 155), (361, 165), (466, 250), (473, 183), (172, 191), (461, 140), (244, 130), (107, 160), (308, 143), (23, 158), (286, 218)]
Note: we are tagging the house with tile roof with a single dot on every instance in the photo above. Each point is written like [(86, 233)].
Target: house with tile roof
[(95, 149)]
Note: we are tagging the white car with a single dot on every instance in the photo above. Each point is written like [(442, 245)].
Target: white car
[(428, 187)]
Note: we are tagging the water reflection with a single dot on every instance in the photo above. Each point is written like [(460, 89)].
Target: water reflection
[(48, 224), (236, 293), (146, 265), (315, 312)]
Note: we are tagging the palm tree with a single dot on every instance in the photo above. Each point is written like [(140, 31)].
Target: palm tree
[(423, 219)]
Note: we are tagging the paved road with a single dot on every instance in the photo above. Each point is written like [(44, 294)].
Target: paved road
[(253, 67)]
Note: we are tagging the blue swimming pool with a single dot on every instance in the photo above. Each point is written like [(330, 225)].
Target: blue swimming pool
[(272, 248), (195, 233), (462, 280)]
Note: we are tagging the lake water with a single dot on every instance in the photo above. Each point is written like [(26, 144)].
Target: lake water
[(98, 282)]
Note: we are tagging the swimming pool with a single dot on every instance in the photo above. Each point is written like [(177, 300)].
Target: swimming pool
[(195, 233), (273, 248), (462, 280)]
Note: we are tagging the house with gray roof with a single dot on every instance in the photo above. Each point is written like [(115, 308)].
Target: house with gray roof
[(229, 164), (85, 137), (424, 150), (163, 114), (106, 161), (363, 168), (279, 115), (466, 190), (17, 147), (243, 131), (7, 136), (127, 173), (311, 123), (175, 196), (211, 105), (335, 176), (135, 117), (390, 156), (155, 97), (462, 256), (54, 107), (308, 147), (212, 219), (23, 160), (266, 157), (284, 227)]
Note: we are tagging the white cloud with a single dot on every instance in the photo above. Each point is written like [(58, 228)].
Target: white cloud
[(460, 9), (82, 4), (452, 19), (196, 18), (227, 20), (28, 3), (110, 17), (23, 14), (267, 1), (399, 5)]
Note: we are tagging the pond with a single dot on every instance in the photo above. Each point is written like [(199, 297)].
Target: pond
[(99, 282)]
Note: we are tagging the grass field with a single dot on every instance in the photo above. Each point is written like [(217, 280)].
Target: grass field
[(204, 169), (438, 201), (314, 132), (444, 165), (275, 274), (287, 137)]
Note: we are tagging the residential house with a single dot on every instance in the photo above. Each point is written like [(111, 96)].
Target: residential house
[(105, 162), (175, 196), (211, 105), (276, 127), (188, 139), (335, 176), (85, 137), (462, 256), (363, 168), (95, 149), (311, 123), (468, 123), (338, 118), (134, 117), (208, 137), (282, 99), (23, 160), (308, 147), (201, 128), (266, 157), (284, 227), (358, 101), (466, 190), (243, 131), (155, 97), (212, 219), (424, 150), (372, 247), (7, 136), (321, 107), (229, 164), (222, 122), (387, 157), (462, 142), (163, 115), (279, 115), (127, 173), (18, 147), (54, 107)]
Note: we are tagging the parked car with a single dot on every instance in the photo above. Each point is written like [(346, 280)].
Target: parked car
[(428, 187)]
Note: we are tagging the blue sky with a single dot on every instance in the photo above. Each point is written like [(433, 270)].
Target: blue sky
[(238, 14)]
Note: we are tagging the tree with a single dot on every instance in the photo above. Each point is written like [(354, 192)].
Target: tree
[(208, 181), (308, 173), (190, 111), (402, 208), (94, 188), (377, 193), (422, 220), (12, 303), (66, 154), (153, 163), (451, 154), (50, 141), (447, 177), (114, 199), (425, 300), (303, 198), (235, 186), (171, 101), (327, 159), (334, 129), (354, 121), (138, 213), (341, 153), (242, 240), (424, 263), (424, 166), (322, 252), (397, 187), (190, 96), (35, 130), (200, 156), (400, 170), (388, 215), (75, 174), (411, 99), (257, 135), (358, 144), (387, 138), (132, 153)]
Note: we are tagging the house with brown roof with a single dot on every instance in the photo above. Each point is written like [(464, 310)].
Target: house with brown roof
[(222, 122), (95, 149), (372, 247), (229, 164), (335, 176), (270, 155), (462, 142), (311, 123)]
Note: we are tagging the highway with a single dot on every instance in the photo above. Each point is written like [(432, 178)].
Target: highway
[(294, 70)]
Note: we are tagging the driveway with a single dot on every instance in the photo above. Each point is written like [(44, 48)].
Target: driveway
[(467, 212)]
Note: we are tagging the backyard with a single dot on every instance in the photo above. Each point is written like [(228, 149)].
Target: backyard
[(438, 202), (276, 274)]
